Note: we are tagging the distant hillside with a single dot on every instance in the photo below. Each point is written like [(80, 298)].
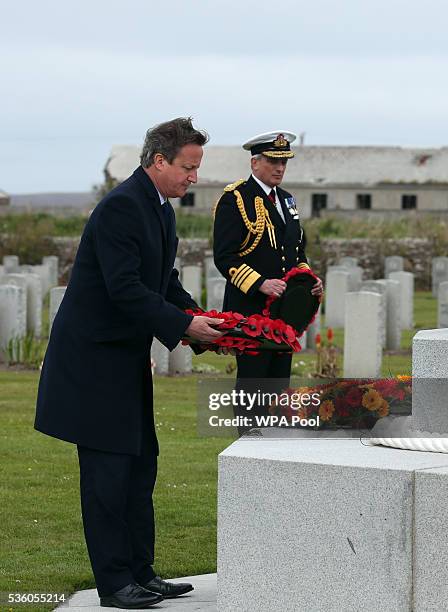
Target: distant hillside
[(81, 200)]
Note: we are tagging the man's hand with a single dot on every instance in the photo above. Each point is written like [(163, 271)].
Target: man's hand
[(273, 286), (318, 288), (201, 328)]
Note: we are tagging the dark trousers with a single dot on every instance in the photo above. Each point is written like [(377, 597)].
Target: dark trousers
[(267, 372), (118, 515)]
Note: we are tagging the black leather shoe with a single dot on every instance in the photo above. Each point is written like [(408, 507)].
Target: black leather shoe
[(168, 589), (131, 597)]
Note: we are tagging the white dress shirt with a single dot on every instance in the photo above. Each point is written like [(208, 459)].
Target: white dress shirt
[(268, 190)]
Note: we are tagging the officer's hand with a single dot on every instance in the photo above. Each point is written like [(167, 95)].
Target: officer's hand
[(318, 288), (273, 286), (201, 328)]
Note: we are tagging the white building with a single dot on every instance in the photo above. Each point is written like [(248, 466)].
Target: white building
[(379, 179)]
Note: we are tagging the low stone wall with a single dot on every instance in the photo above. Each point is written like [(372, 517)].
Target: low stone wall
[(417, 253)]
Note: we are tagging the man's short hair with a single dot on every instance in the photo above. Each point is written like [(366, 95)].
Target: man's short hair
[(168, 139)]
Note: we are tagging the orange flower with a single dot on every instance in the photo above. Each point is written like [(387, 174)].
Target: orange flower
[(318, 340), (371, 400), (404, 378), (383, 410), (326, 410), (330, 335)]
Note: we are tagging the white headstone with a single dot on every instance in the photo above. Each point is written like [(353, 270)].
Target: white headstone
[(19, 280), (337, 284), (11, 264), (439, 272), (161, 356), (2, 272), (180, 360), (52, 262), (312, 331), (32, 285), (12, 314), (442, 310), (56, 296), (348, 262), (215, 293), (192, 281), (376, 287), (393, 321), (362, 338), (44, 272), (211, 271), (393, 263), (406, 280)]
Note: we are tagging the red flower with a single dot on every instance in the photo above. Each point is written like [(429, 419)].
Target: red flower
[(253, 325), (330, 334), (341, 407), (276, 330), (318, 340), (353, 397), (289, 335)]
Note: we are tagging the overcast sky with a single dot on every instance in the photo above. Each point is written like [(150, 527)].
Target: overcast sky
[(79, 77)]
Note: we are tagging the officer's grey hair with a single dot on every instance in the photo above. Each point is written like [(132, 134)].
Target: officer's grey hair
[(257, 156), (168, 139)]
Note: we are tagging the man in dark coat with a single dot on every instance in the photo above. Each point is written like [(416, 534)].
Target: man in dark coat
[(257, 240), (95, 388)]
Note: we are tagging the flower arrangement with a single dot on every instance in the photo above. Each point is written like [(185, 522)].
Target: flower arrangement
[(349, 403), (275, 331), (255, 332)]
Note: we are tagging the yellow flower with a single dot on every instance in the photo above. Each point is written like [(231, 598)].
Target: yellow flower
[(326, 410), (383, 410), (371, 400)]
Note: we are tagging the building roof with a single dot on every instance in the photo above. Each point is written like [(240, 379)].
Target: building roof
[(312, 165)]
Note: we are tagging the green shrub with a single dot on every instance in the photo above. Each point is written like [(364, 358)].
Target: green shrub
[(28, 351)]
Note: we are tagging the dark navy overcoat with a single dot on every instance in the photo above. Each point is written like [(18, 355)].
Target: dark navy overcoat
[(95, 387)]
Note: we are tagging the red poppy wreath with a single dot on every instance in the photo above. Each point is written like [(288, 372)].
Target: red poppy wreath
[(279, 326)]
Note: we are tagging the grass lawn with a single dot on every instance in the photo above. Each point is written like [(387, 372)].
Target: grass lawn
[(42, 545)]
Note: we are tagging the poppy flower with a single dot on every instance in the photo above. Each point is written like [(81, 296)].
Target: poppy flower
[(253, 325)]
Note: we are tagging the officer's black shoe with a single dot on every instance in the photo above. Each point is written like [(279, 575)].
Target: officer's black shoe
[(168, 589), (131, 597)]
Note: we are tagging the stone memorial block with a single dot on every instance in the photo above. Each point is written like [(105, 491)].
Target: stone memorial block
[(10, 264), (180, 360), (406, 280), (56, 296), (430, 380), (52, 261), (393, 263), (2, 272), (362, 339), (12, 314), (192, 281), (439, 272), (211, 271), (442, 309), (215, 293), (161, 356), (346, 515), (393, 306), (337, 284)]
